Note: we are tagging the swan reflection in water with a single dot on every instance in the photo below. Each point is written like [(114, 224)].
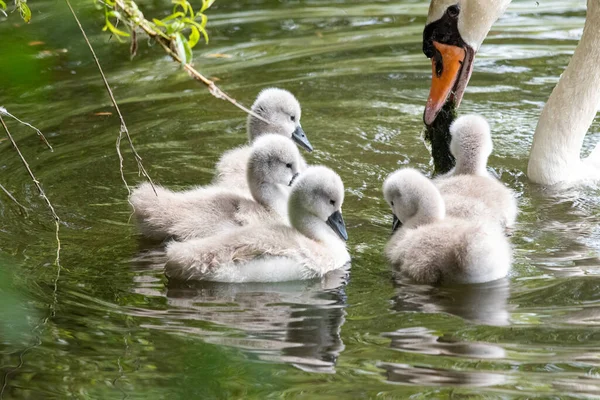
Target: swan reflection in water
[(290, 322), (485, 303), (411, 375)]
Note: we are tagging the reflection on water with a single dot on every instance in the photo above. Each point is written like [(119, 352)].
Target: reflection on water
[(422, 340), (119, 329), (409, 375), (485, 303), (293, 322)]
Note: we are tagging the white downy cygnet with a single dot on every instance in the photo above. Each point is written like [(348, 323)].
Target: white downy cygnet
[(272, 166), (431, 248), (469, 190), (313, 246), (282, 110)]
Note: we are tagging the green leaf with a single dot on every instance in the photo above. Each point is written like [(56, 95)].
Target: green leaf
[(198, 26), (2, 5), (206, 4), (181, 51), (189, 21), (177, 26), (188, 51), (203, 31), (194, 37), (203, 20), (181, 3), (115, 14), (24, 10), (158, 22), (114, 30), (175, 15), (190, 10)]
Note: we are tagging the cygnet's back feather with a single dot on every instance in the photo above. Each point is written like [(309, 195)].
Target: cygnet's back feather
[(468, 193), (206, 211), (283, 111), (199, 212), (227, 258), (469, 185), (432, 248), (231, 169), (274, 252)]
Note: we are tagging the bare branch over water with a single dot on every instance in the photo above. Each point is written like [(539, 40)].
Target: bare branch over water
[(123, 129)]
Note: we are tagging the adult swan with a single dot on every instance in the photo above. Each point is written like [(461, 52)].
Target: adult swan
[(452, 36)]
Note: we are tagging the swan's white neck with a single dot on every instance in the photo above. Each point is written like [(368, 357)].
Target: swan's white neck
[(470, 164), (272, 196), (569, 112)]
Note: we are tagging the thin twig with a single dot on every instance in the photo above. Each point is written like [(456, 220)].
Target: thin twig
[(37, 331), (19, 365), (123, 129), (40, 134), (10, 196), (137, 17), (52, 313), (39, 188)]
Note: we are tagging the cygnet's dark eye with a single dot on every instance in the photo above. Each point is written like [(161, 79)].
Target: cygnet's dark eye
[(332, 202), (392, 203), (288, 165), (293, 117), (453, 11)]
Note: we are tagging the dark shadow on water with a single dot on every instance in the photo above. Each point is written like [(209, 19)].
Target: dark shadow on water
[(485, 303)]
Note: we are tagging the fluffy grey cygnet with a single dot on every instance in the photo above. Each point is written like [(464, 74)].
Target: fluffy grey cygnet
[(431, 248), (469, 190), (273, 164), (282, 110), (314, 245)]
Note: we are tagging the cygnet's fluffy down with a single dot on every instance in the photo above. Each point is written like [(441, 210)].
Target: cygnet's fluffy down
[(469, 185), (313, 246), (282, 110), (205, 211), (431, 248)]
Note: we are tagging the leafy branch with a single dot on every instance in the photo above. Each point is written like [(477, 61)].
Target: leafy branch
[(183, 28), (170, 34), (20, 5)]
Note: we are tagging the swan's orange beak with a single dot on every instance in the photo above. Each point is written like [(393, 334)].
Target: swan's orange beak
[(446, 67)]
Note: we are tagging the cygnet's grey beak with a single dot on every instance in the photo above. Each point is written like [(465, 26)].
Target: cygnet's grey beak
[(336, 222), (396, 224), (300, 138), (293, 178)]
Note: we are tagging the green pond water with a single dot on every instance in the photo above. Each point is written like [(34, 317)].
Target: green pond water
[(109, 324)]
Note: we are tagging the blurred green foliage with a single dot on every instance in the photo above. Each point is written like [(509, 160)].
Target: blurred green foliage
[(13, 314)]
